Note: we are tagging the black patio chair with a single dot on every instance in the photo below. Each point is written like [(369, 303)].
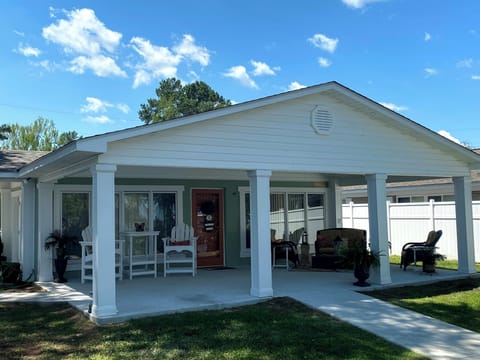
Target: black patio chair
[(419, 251)]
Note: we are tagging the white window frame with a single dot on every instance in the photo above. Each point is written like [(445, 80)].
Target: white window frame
[(120, 189), (242, 190)]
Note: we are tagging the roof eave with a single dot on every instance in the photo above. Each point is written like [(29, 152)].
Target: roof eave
[(50, 158)]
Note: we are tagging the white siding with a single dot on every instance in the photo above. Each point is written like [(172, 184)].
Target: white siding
[(279, 137)]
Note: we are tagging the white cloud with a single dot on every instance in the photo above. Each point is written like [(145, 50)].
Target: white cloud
[(358, 4), (82, 33), (46, 65), (449, 136), (430, 71), (95, 105), (27, 50), (19, 33), (123, 108), (84, 37), (394, 107), (294, 85), (101, 65), (188, 50), (465, 63), (261, 68), (240, 73), (193, 75), (324, 62), (158, 62), (102, 119), (475, 77), (427, 37), (324, 42)]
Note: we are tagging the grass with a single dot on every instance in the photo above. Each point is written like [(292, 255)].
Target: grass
[(455, 302), (277, 329), (441, 264)]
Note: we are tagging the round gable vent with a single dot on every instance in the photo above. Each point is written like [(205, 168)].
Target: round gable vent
[(322, 120)]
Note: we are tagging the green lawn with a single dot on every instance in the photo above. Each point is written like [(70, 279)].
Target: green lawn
[(442, 264), (456, 302), (278, 329)]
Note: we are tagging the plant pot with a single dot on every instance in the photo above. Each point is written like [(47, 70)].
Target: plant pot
[(362, 273), (428, 267), (11, 272), (60, 268)]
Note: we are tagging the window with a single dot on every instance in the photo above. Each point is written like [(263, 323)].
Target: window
[(157, 208), (436, 198), (291, 214), (75, 217)]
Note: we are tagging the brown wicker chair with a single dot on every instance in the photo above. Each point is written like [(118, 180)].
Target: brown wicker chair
[(419, 251)]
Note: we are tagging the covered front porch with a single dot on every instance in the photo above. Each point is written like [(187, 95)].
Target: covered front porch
[(301, 145), (218, 289)]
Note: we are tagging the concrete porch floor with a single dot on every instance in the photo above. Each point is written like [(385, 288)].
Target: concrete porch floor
[(215, 289)]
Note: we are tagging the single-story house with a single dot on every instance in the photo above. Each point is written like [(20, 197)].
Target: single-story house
[(277, 162)]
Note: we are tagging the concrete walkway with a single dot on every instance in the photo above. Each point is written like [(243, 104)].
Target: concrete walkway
[(331, 293), (422, 334)]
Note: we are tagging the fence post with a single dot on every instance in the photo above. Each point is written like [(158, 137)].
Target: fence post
[(389, 205), (432, 214)]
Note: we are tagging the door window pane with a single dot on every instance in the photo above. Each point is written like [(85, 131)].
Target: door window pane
[(315, 215), (277, 216), (136, 213), (74, 218), (296, 217), (164, 216), (247, 220)]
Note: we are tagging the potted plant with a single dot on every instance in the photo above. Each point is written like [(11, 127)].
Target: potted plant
[(429, 261), (356, 255), (60, 241)]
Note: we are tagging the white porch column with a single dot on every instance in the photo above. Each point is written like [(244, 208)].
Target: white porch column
[(378, 224), (260, 251), (45, 227), (334, 208), (103, 236), (27, 236), (7, 221), (464, 221)]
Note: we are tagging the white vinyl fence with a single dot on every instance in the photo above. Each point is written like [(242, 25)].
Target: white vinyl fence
[(412, 222)]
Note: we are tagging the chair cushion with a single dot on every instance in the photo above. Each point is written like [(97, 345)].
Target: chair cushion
[(179, 243), (325, 245), (430, 238)]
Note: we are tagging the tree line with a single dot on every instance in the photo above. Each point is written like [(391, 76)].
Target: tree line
[(173, 100)]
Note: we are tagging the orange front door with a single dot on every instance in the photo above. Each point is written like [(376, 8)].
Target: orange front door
[(207, 219)]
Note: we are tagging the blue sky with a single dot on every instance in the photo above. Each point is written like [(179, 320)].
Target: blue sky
[(88, 65)]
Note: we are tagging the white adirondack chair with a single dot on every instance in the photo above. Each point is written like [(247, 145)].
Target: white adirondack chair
[(180, 250), (87, 256)]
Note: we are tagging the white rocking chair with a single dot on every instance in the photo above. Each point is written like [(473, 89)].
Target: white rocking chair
[(87, 256), (180, 250)]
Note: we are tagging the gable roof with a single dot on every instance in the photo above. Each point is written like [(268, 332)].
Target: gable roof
[(85, 148)]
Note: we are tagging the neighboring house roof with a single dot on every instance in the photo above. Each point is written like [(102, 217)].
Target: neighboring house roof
[(359, 189), (13, 160), (83, 150)]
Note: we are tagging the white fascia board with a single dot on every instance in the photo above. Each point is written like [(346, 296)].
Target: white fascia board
[(52, 158)]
